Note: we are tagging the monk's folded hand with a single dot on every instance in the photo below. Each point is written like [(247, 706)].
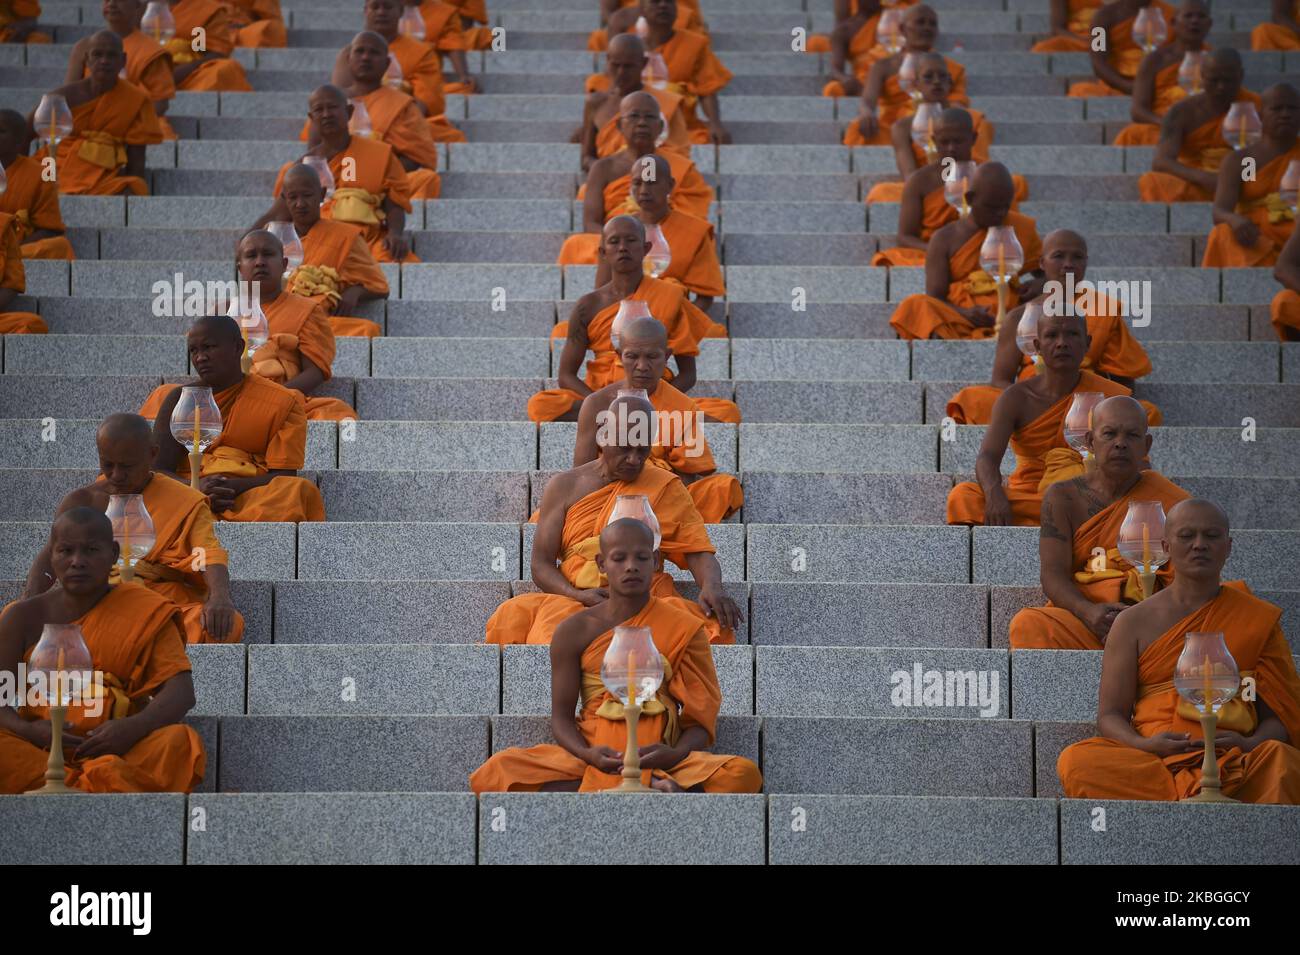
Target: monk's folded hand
[(589, 598), (218, 617), (852, 85), (40, 732), (720, 134), (221, 495), (1245, 231), (660, 756), (1099, 618), (978, 316), (1226, 739), (1169, 744), (718, 605), (867, 125), (1031, 286), (605, 759), (398, 245), (997, 509), (113, 738)]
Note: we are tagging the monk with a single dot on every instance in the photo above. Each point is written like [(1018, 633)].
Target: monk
[(1116, 62), (694, 264), (1030, 416), (1281, 31), (395, 118), (148, 65), (608, 189), (676, 727), (1156, 87), (129, 738), (884, 101), (473, 22), (679, 445), (446, 31), (935, 83), (300, 352), (372, 190), (576, 506), (211, 68), (1151, 744), (591, 325), (28, 196), (257, 23), (1252, 220), (337, 271), (13, 282), (600, 134), (854, 44), (961, 298), (1112, 350), (182, 524), (249, 473), (112, 122), (1071, 27), (620, 17), (1086, 580), (1285, 310), (1191, 147), (18, 22)]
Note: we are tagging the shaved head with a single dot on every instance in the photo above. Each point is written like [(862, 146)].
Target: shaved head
[(646, 331), (262, 235), (992, 190), (223, 327), (370, 36), (125, 427), (954, 117), (626, 44), (301, 173), (622, 224), (1064, 238), (652, 167), (627, 530), (82, 521), (107, 38), (1196, 511), (640, 99), (1225, 58), (1121, 409), (330, 92)]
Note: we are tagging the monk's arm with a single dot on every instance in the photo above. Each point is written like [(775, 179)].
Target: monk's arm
[(911, 217), (871, 91), (901, 137), (461, 68), (589, 107), (169, 705), (584, 448), (240, 484), (1007, 358), (217, 577), (307, 379), (135, 161), (566, 668), (988, 464), (1118, 692), (706, 570), (841, 69), (593, 201), (170, 453), (395, 240), (684, 380), (1101, 58), (1226, 193), (713, 111), (179, 73), (76, 62), (1172, 131), (546, 549), (37, 732), (1060, 14), (279, 212), (341, 76), (7, 295), (1287, 270), (1270, 726), (1141, 109), (1056, 557), (1281, 14), (575, 349), (352, 296)]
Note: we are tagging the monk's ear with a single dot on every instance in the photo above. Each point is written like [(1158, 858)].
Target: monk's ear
[(1148, 443), (600, 562)]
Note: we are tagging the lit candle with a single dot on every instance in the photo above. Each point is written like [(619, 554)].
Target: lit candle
[(1002, 260), (964, 210), (196, 426), (1146, 546), (1209, 689), (58, 680), (1241, 135)]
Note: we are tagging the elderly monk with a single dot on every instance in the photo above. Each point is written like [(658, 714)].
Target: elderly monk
[(257, 23), (148, 64), (935, 83), (1030, 416), (620, 17), (1281, 31), (1086, 580), (395, 118), (600, 134), (591, 325), (337, 268), (576, 506), (1115, 62), (1151, 744), (18, 22), (1252, 220), (1285, 310), (1112, 349), (112, 122), (1071, 27), (960, 299), (1156, 87), (1185, 167), (446, 31), (694, 264), (13, 282), (186, 564), (680, 445), (854, 44), (300, 350), (129, 738), (677, 726), (212, 67), (28, 196), (249, 473), (371, 188), (884, 101)]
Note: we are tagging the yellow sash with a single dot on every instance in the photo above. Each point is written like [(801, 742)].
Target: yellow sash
[(1060, 464), (612, 709), (1278, 211), (1236, 715), (227, 460), (589, 576), (102, 149), (312, 280), (357, 205), (1111, 568), (146, 570), (181, 50)]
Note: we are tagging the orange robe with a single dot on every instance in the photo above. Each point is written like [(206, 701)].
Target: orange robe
[(149, 66), (894, 104), (1285, 315), (1261, 201), (1079, 23), (689, 697), (11, 10), (863, 50), (88, 161), (923, 316), (1167, 93), (1112, 580), (1274, 36), (1100, 768), (223, 74), (1032, 444), (474, 37), (14, 276), (422, 79), (257, 23), (300, 329), (693, 71), (1124, 54), (263, 428), (716, 496), (374, 174), (336, 257), (134, 639), (182, 523), (688, 18), (1202, 148), (609, 139), (694, 251), (34, 203), (533, 617)]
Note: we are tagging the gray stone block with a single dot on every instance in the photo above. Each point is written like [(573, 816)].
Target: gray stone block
[(93, 212), (534, 107), (334, 829), (820, 320), (817, 359), (150, 244), (1194, 217), (1049, 740), (940, 360), (1056, 685), (460, 358), (1072, 160), (426, 495), (94, 355), (512, 157), (253, 599), (557, 439), (728, 541), (1291, 362), (1004, 555), (1029, 109), (857, 553), (135, 279), (20, 542), (1212, 323), (770, 159), (803, 248), (478, 282), (47, 277), (339, 754), (1005, 603), (469, 320), (380, 611), (760, 187), (1223, 452), (260, 551), (829, 402), (1249, 286), (1224, 405), (408, 551), (489, 246), (33, 494), (794, 216), (1204, 362), (450, 399), (216, 154), (502, 185), (1095, 217), (873, 448), (218, 673), (124, 828), (499, 215), (71, 444), (215, 212), (440, 445), (809, 498)]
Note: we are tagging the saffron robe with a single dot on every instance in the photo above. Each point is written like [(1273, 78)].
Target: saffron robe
[(1079, 23), (1167, 93), (1284, 313), (300, 329), (257, 23), (224, 74), (1123, 52), (864, 47), (895, 103), (34, 203), (609, 139), (1274, 36), (88, 161), (334, 258), (14, 276), (422, 79), (1202, 148), (716, 496), (1261, 201)]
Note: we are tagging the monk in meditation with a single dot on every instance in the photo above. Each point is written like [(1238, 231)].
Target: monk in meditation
[(249, 473), (1281, 31), (257, 23), (1116, 63), (28, 196), (1030, 416), (855, 43), (1112, 350), (935, 83), (394, 117), (884, 101), (619, 17), (446, 30), (473, 23), (1086, 580), (1156, 87), (1151, 744), (371, 188), (186, 564), (148, 64), (300, 352), (1285, 309), (600, 134), (676, 727), (112, 122), (211, 68), (960, 299), (608, 190), (13, 282), (1071, 27), (1252, 220), (576, 506), (337, 270), (1191, 147), (679, 445), (19, 22), (130, 739)]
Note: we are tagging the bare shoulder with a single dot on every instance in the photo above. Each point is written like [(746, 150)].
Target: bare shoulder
[(575, 634), (91, 495)]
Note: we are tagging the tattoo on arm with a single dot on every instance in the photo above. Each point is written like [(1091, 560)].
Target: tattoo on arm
[(1049, 528)]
